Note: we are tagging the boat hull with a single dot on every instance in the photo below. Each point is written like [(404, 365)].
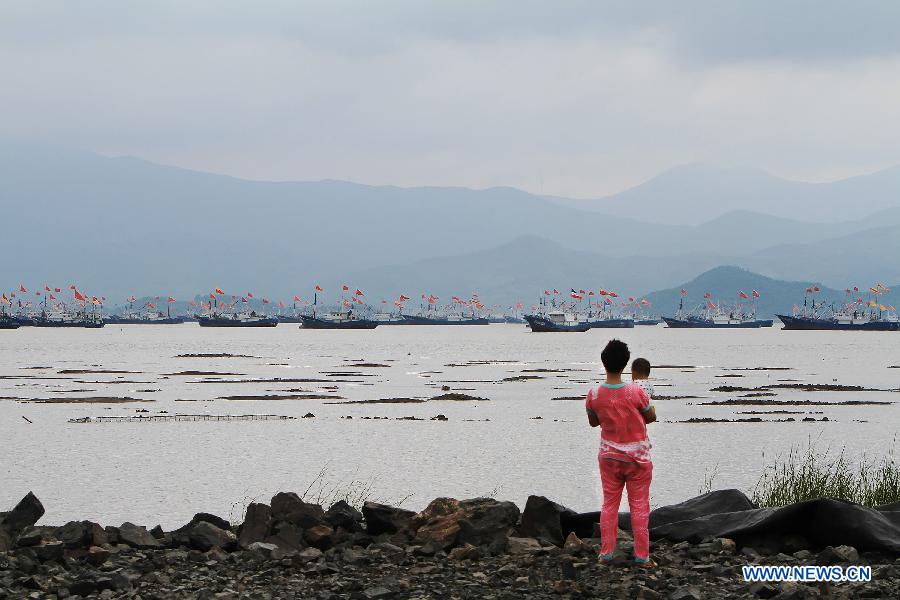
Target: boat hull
[(420, 320), (53, 323), (704, 324), (317, 323), (9, 324), (129, 321), (612, 324), (648, 321), (220, 322), (807, 324), (539, 324)]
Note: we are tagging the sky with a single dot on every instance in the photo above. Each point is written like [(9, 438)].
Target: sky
[(569, 98)]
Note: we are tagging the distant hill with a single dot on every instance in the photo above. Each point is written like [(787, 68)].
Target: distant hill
[(725, 282), (122, 226), (684, 194)]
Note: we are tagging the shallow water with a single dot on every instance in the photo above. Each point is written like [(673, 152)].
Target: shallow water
[(166, 471)]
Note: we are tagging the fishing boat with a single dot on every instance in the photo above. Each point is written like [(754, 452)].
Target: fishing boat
[(86, 320), (337, 320), (855, 315), (8, 322), (606, 319), (556, 321), (445, 320), (289, 318), (648, 321), (714, 315), (389, 318), (248, 319), (514, 319), (145, 318)]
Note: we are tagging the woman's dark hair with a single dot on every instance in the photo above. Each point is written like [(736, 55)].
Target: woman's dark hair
[(615, 356), (640, 366)]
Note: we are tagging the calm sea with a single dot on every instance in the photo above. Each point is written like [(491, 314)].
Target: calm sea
[(519, 441)]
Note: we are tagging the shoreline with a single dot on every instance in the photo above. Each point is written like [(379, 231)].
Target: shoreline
[(481, 548)]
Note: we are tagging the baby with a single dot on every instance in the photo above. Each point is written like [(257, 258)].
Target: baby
[(640, 375)]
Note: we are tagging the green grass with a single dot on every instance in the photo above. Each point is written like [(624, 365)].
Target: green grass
[(809, 474)]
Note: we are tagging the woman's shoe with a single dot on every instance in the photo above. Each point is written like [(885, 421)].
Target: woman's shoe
[(647, 563)]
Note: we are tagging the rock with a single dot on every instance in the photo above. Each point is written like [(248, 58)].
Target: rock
[(83, 587), (465, 552), (287, 506), (763, 590), (81, 534), (204, 536), (381, 518), (344, 516), (287, 536), (210, 518), (137, 536), (544, 520), (841, 554), (794, 543), (378, 593), (438, 524), (319, 536), (97, 555), (522, 545), (158, 532), (257, 524), (574, 545), (687, 592), (262, 548), (479, 521), (25, 514), (645, 593), (567, 568), (309, 555), (30, 537), (50, 551)]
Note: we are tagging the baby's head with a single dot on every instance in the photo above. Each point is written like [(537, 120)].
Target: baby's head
[(640, 369)]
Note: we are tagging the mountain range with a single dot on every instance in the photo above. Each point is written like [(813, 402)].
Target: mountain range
[(122, 226)]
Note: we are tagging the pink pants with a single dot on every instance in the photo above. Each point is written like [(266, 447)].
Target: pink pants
[(614, 475)]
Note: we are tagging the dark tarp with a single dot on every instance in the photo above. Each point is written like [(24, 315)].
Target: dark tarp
[(728, 513)]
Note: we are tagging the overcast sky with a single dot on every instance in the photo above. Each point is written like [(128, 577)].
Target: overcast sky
[(569, 98)]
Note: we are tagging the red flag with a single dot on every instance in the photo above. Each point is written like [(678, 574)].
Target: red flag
[(170, 299), (755, 294), (743, 295), (220, 292), (809, 290), (296, 298), (608, 301), (816, 289), (265, 301), (707, 295), (644, 302), (192, 303), (546, 292), (855, 289), (79, 296), (213, 296), (318, 289), (710, 304), (52, 297), (57, 290), (345, 288), (249, 295), (591, 293), (47, 288), (614, 295), (243, 299), (22, 288), (575, 296), (683, 292), (359, 292), (280, 304)]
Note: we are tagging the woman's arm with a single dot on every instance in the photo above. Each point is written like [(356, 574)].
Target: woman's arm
[(592, 418)]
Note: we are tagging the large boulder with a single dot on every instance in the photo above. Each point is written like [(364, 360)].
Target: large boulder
[(381, 518), (479, 521), (342, 515), (205, 536), (287, 536), (81, 534), (25, 514), (547, 521), (257, 524), (288, 506), (137, 536)]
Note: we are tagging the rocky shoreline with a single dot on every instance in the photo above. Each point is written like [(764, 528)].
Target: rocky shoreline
[(478, 548)]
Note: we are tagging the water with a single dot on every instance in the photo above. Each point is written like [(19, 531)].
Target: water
[(165, 472)]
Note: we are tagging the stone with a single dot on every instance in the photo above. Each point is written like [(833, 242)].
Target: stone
[(287, 536), (486, 521), (262, 548), (158, 532), (257, 524), (544, 520), (309, 555), (318, 536), (137, 536), (574, 545), (465, 552), (50, 551), (210, 518), (522, 545), (381, 518), (287, 506), (378, 593), (646, 593), (97, 555), (342, 515), (83, 587), (841, 554), (687, 592), (30, 537), (25, 514), (763, 590), (81, 534), (204, 536)]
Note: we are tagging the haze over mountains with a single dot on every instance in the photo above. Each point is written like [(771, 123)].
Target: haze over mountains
[(122, 226)]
